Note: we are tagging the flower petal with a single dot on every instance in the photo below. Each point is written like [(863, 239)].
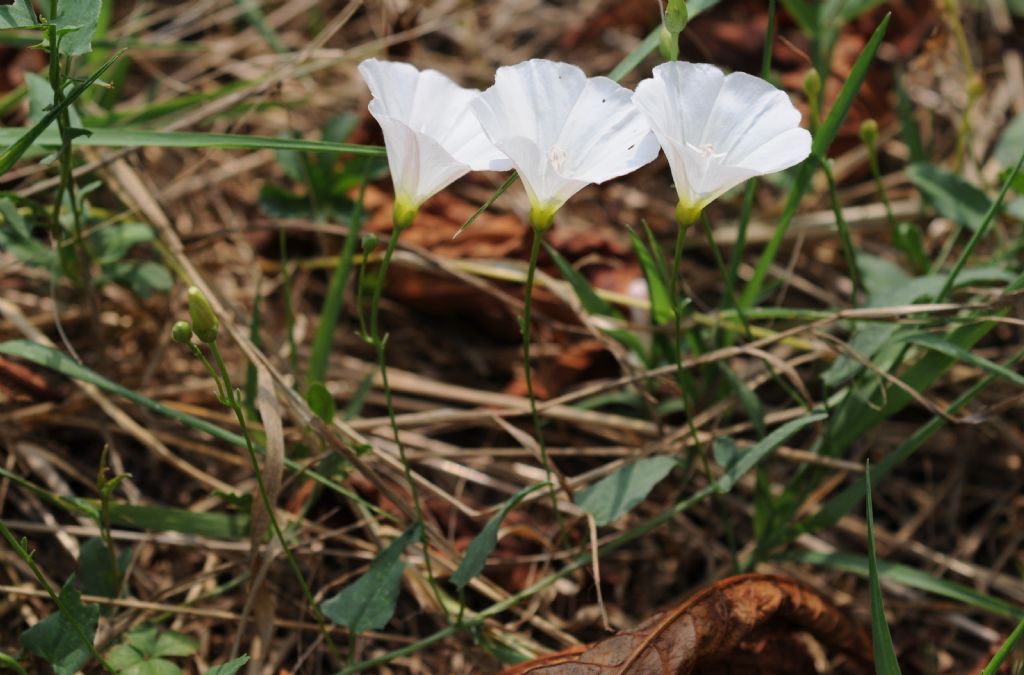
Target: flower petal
[(429, 103), (605, 135), (717, 131), (546, 188), (420, 167)]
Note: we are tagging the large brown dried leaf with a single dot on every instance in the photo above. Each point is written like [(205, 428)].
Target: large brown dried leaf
[(736, 625)]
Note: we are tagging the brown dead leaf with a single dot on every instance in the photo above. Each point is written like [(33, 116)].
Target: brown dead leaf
[(735, 622)]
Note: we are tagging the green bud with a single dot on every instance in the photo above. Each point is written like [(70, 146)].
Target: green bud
[(687, 214), (204, 322), (403, 214), (668, 44), (676, 16), (370, 241), (975, 87), (869, 132), (812, 84), (181, 332)]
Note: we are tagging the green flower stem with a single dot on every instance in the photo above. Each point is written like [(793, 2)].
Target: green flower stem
[(527, 325), (380, 345), (26, 557), (232, 402), (684, 388), (844, 230)]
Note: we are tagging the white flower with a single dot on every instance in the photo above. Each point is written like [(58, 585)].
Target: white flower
[(562, 131), (719, 130), (432, 138)]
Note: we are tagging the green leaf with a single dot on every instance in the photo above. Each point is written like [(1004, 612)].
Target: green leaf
[(18, 15), (76, 22), (112, 243), (748, 399), (5, 660), (661, 303), (804, 13), (615, 495), (940, 344), (229, 668), (1004, 651), (881, 639), (22, 139), (483, 544), (321, 402), (951, 195), (1010, 145), (752, 457), (143, 278), (40, 97), (55, 638), (171, 643), (910, 577), (590, 300), (138, 138), (95, 568), (830, 127), (369, 602), (142, 649)]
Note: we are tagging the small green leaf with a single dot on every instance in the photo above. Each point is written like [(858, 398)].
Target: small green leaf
[(111, 244), (951, 195), (229, 668), (56, 640), (885, 653), (1004, 651), (321, 402), (615, 495), (18, 15), (95, 569), (1010, 145), (369, 602), (941, 345), (748, 399), (40, 98), (143, 278), (76, 21), (483, 544), (590, 300), (748, 459), (171, 643), (661, 303)]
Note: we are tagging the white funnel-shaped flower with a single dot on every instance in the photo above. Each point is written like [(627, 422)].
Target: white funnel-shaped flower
[(432, 138), (562, 131), (719, 130)]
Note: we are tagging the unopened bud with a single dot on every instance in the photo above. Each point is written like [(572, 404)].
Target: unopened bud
[(181, 332), (676, 16), (812, 84), (869, 132), (370, 241), (204, 322)]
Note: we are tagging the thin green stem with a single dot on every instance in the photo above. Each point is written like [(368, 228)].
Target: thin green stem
[(684, 389), (844, 230), (380, 345), (26, 557), (233, 403), (527, 325)]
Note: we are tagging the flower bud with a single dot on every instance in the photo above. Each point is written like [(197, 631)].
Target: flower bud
[(370, 241), (204, 322), (869, 132), (676, 16), (181, 332), (812, 85)]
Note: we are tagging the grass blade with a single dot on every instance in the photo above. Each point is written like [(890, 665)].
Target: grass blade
[(137, 138), (819, 146), (881, 640), (1004, 650), (24, 138)]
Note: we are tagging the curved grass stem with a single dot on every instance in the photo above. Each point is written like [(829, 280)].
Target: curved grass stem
[(380, 345), (526, 328), (232, 401)]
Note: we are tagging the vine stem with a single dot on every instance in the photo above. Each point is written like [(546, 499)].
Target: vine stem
[(677, 263), (232, 401), (538, 237), (380, 345), (64, 611)]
